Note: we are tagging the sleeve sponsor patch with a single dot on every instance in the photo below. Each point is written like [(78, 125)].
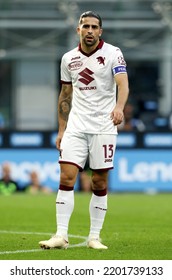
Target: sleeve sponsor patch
[(119, 69)]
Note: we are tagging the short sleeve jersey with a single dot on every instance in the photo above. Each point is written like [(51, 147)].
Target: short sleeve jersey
[(94, 88)]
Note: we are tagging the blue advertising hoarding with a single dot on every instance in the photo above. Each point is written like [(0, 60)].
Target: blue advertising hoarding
[(142, 171), (23, 161), (136, 170)]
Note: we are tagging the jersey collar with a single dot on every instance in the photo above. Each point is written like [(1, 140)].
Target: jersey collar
[(100, 45)]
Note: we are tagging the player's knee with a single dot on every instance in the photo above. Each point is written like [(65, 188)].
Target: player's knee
[(67, 179), (68, 174), (99, 182)]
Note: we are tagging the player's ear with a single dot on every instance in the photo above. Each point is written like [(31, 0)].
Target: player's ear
[(101, 31), (78, 30)]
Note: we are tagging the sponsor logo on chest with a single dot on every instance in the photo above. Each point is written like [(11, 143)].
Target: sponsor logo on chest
[(75, 65)]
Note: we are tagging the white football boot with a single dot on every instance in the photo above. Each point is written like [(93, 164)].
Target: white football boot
[(55, 241), (95, 243)]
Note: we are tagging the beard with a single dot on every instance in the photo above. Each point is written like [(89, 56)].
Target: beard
[(90, 42)]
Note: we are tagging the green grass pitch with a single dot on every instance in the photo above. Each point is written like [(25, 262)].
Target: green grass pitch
[(137, 227)]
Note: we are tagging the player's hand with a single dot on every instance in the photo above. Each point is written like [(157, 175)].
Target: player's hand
[(117, 116), (58, 141)]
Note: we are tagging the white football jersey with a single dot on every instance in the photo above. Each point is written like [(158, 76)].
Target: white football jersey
[(94, 88)]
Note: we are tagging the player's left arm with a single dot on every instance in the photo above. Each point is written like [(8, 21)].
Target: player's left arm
[(117, 114)]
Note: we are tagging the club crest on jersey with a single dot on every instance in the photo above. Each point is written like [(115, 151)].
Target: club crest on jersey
[(75, 65), (101, 60)]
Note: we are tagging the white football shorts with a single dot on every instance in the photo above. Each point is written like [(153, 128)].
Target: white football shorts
[(99, 149)]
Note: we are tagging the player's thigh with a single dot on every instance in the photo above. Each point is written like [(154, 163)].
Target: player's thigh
[(101, 151), (74, 149)]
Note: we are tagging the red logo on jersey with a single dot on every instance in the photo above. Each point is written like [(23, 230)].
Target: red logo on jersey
[(86, 76), (121, 60), (76, 57), (101, 60), (75, 65)]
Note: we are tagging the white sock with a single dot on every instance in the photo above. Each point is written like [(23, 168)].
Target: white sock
[(98, 208), (64, 209)]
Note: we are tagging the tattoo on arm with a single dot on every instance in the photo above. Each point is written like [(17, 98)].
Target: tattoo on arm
[(65, 105)]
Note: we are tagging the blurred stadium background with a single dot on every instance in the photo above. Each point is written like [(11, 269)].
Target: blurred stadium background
[(34, 35)]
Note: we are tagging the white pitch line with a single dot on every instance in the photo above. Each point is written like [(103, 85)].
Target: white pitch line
[(24, 232), (39, 233), (20, 251)]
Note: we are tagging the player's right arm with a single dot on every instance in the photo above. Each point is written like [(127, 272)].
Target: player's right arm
[(64, 106)]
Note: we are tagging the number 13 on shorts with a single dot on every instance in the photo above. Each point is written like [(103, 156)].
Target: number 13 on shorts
[(105, 146)]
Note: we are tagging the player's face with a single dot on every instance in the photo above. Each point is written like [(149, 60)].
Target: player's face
[(89, 31), (65, 107)]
